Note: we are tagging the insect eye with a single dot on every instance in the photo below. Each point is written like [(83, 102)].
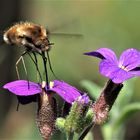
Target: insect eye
[(20, 36), (25, 37), (36, 31), (29, 39)]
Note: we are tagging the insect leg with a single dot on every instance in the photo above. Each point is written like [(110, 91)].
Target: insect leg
[(45, 67), (24, 67), (20, 58), (18, 105), (25, 71), (50, 66), (36, 61), (36, 64)]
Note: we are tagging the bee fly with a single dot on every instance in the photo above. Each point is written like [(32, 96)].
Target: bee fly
[(34, 38)]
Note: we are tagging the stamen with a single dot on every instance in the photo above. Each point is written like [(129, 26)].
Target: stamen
[(43, 84), (51, 84), (124, 68)]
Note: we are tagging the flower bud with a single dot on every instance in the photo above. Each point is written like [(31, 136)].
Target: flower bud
[(76, 118), (60, 122), (104, 103), (46, 115)]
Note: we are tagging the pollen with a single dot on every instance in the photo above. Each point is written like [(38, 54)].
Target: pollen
[(124, 68), (43, 84), (51, 84)]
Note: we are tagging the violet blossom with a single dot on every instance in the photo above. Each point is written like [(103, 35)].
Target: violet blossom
[(83, 99), (118, 70), (28, 88)]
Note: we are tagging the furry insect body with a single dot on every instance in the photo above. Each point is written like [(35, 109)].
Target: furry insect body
[(32, 36)]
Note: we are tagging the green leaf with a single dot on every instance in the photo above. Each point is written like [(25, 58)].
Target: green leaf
[(92, 88), (89, 136), (126, 113)]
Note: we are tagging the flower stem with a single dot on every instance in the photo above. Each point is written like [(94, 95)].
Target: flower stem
[(70, 136), (85, 132)]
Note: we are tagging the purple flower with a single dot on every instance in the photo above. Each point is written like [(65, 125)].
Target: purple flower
[(84, 99), (27, 88), (118, 70)]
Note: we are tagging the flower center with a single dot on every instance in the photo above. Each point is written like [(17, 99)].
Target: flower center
[(123, 67)]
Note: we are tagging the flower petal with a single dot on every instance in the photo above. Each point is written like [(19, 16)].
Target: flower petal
[(104, 53), (130, 59), (84, 99), (135, 71), (107, 67), (23, 87), (120, 75), (112, 71), (66, 91)]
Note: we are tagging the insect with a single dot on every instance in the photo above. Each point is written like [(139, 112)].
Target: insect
[(34, 38)]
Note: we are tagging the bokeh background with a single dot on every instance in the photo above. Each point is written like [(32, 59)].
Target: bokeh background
[(76, 26)]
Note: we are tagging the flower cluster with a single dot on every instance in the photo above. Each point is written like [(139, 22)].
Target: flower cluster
[(80, 115)]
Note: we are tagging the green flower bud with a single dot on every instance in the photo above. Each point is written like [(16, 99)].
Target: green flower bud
[(60, 122), (75, 121)]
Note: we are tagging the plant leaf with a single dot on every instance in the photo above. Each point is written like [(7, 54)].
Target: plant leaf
[(126, 113)]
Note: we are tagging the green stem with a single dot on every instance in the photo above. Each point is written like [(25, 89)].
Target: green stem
[(85, 132), (70, 136)]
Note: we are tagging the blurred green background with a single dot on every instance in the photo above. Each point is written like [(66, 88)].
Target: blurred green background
[(100, 23)]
